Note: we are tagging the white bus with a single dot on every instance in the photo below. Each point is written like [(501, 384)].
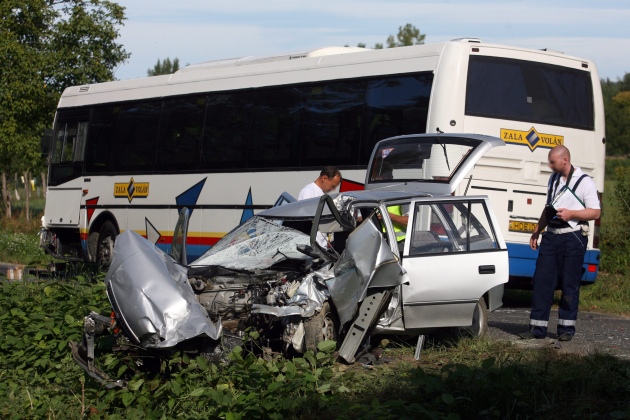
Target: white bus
[(225, 138)]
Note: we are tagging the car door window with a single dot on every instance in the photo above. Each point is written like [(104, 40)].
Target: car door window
[(451, 227)]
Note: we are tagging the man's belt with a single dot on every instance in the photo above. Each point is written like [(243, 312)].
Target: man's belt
[(557, 231)]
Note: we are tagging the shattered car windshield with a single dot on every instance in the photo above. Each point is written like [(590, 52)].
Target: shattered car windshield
[(256, 244)]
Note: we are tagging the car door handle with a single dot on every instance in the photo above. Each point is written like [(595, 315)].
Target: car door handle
[(486, 269)]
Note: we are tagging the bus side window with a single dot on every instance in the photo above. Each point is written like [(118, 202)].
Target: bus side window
[(395, 105), (227, 123), (333, 121), (180, 133), (276, 130), (136, 136), (99, 156)]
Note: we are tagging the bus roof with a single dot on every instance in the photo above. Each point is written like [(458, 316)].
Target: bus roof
[(329, 63)]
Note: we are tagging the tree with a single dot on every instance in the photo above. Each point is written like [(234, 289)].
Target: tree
[(164, 67), (46, 46), (407, 35), (617, 108)]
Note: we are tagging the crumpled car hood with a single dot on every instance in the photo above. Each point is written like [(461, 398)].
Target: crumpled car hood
[(257, 244), (152, 297)]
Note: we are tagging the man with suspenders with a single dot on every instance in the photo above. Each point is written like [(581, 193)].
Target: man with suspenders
[(563, 245)]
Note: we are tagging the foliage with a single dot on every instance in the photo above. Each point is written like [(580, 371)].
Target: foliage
[(164, 67), (46, 46), (21, 248), (407, 35), (37, 375), (617, 108), (610, 293), (615, 242), (474, 378)]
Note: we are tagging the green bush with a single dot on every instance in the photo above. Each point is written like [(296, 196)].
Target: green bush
[(21, 248), (474, 379), (615, 242)]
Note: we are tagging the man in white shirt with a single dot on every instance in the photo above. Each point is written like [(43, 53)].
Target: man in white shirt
[(563, 245), (328, 180)]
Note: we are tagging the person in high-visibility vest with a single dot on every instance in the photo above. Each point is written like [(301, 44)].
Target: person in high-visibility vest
[(399, 214)]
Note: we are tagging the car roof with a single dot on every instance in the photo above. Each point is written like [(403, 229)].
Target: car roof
[(306, 209)]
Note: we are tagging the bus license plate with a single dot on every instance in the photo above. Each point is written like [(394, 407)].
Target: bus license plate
[(520, 226)]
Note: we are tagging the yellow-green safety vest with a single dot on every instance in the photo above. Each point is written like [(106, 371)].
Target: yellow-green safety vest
[(400, 233)]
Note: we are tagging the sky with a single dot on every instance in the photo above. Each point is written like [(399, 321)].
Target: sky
[(200, 30)]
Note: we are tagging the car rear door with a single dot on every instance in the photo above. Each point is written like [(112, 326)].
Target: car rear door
[(453, 255)]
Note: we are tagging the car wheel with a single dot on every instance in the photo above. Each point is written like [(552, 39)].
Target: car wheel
[(105, 247), (320, 327), (479, 326)]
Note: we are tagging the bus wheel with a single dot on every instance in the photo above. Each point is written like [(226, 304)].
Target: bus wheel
[(320, 327), (479, 326), (105, 247)]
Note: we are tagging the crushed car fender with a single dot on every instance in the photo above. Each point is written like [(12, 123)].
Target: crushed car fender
[(152, 297)]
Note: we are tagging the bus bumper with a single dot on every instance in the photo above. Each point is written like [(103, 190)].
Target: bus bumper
[(523, 263)]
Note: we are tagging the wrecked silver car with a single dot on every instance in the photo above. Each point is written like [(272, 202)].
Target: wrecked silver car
[(400, 261)]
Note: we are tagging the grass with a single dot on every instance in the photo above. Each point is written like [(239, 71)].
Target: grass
[(21, 248), (479, 378), (464, 379)]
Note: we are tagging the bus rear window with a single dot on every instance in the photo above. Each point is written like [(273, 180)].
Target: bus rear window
[(528, 91)]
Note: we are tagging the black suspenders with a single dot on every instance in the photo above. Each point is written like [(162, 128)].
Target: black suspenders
[(555, 179)]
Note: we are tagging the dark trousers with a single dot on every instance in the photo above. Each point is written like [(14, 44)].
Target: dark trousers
[(560, 258)]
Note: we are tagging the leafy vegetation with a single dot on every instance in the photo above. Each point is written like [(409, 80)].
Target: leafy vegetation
[(473, 378), (615, 243), (164, 67), (46, 46), (407, 35), (617, 108), (21, 248)]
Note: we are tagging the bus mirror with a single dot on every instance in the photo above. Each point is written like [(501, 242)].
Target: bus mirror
[(46, 142)]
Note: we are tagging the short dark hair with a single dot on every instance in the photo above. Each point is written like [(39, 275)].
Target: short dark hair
[(330, 172)]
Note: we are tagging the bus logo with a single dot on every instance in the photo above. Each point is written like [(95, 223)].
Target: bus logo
[(532, 138), (131, 189)]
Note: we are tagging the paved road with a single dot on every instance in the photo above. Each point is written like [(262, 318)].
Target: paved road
[(594, 331)]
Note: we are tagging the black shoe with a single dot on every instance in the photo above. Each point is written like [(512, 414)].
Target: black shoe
[(565, 337), (528, 335)]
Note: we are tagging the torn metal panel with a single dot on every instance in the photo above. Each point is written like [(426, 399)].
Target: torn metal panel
[(366, 251), (392, 317), (152, 296), (255, 245), (308, 299)]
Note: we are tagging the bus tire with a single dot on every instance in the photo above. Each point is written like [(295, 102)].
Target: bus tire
[(320, 327), (479, 326), (105, 247)]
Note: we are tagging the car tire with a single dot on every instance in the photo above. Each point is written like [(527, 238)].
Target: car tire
[(320, 327), (105, 245), (479, 326)]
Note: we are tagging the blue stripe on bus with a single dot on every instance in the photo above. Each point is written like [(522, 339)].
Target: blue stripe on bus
[(523, 262)]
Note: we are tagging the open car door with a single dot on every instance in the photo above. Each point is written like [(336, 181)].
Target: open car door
[(454, 255), (429, 163)]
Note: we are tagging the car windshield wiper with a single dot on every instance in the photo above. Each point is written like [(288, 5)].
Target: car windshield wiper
[(444, 150)]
